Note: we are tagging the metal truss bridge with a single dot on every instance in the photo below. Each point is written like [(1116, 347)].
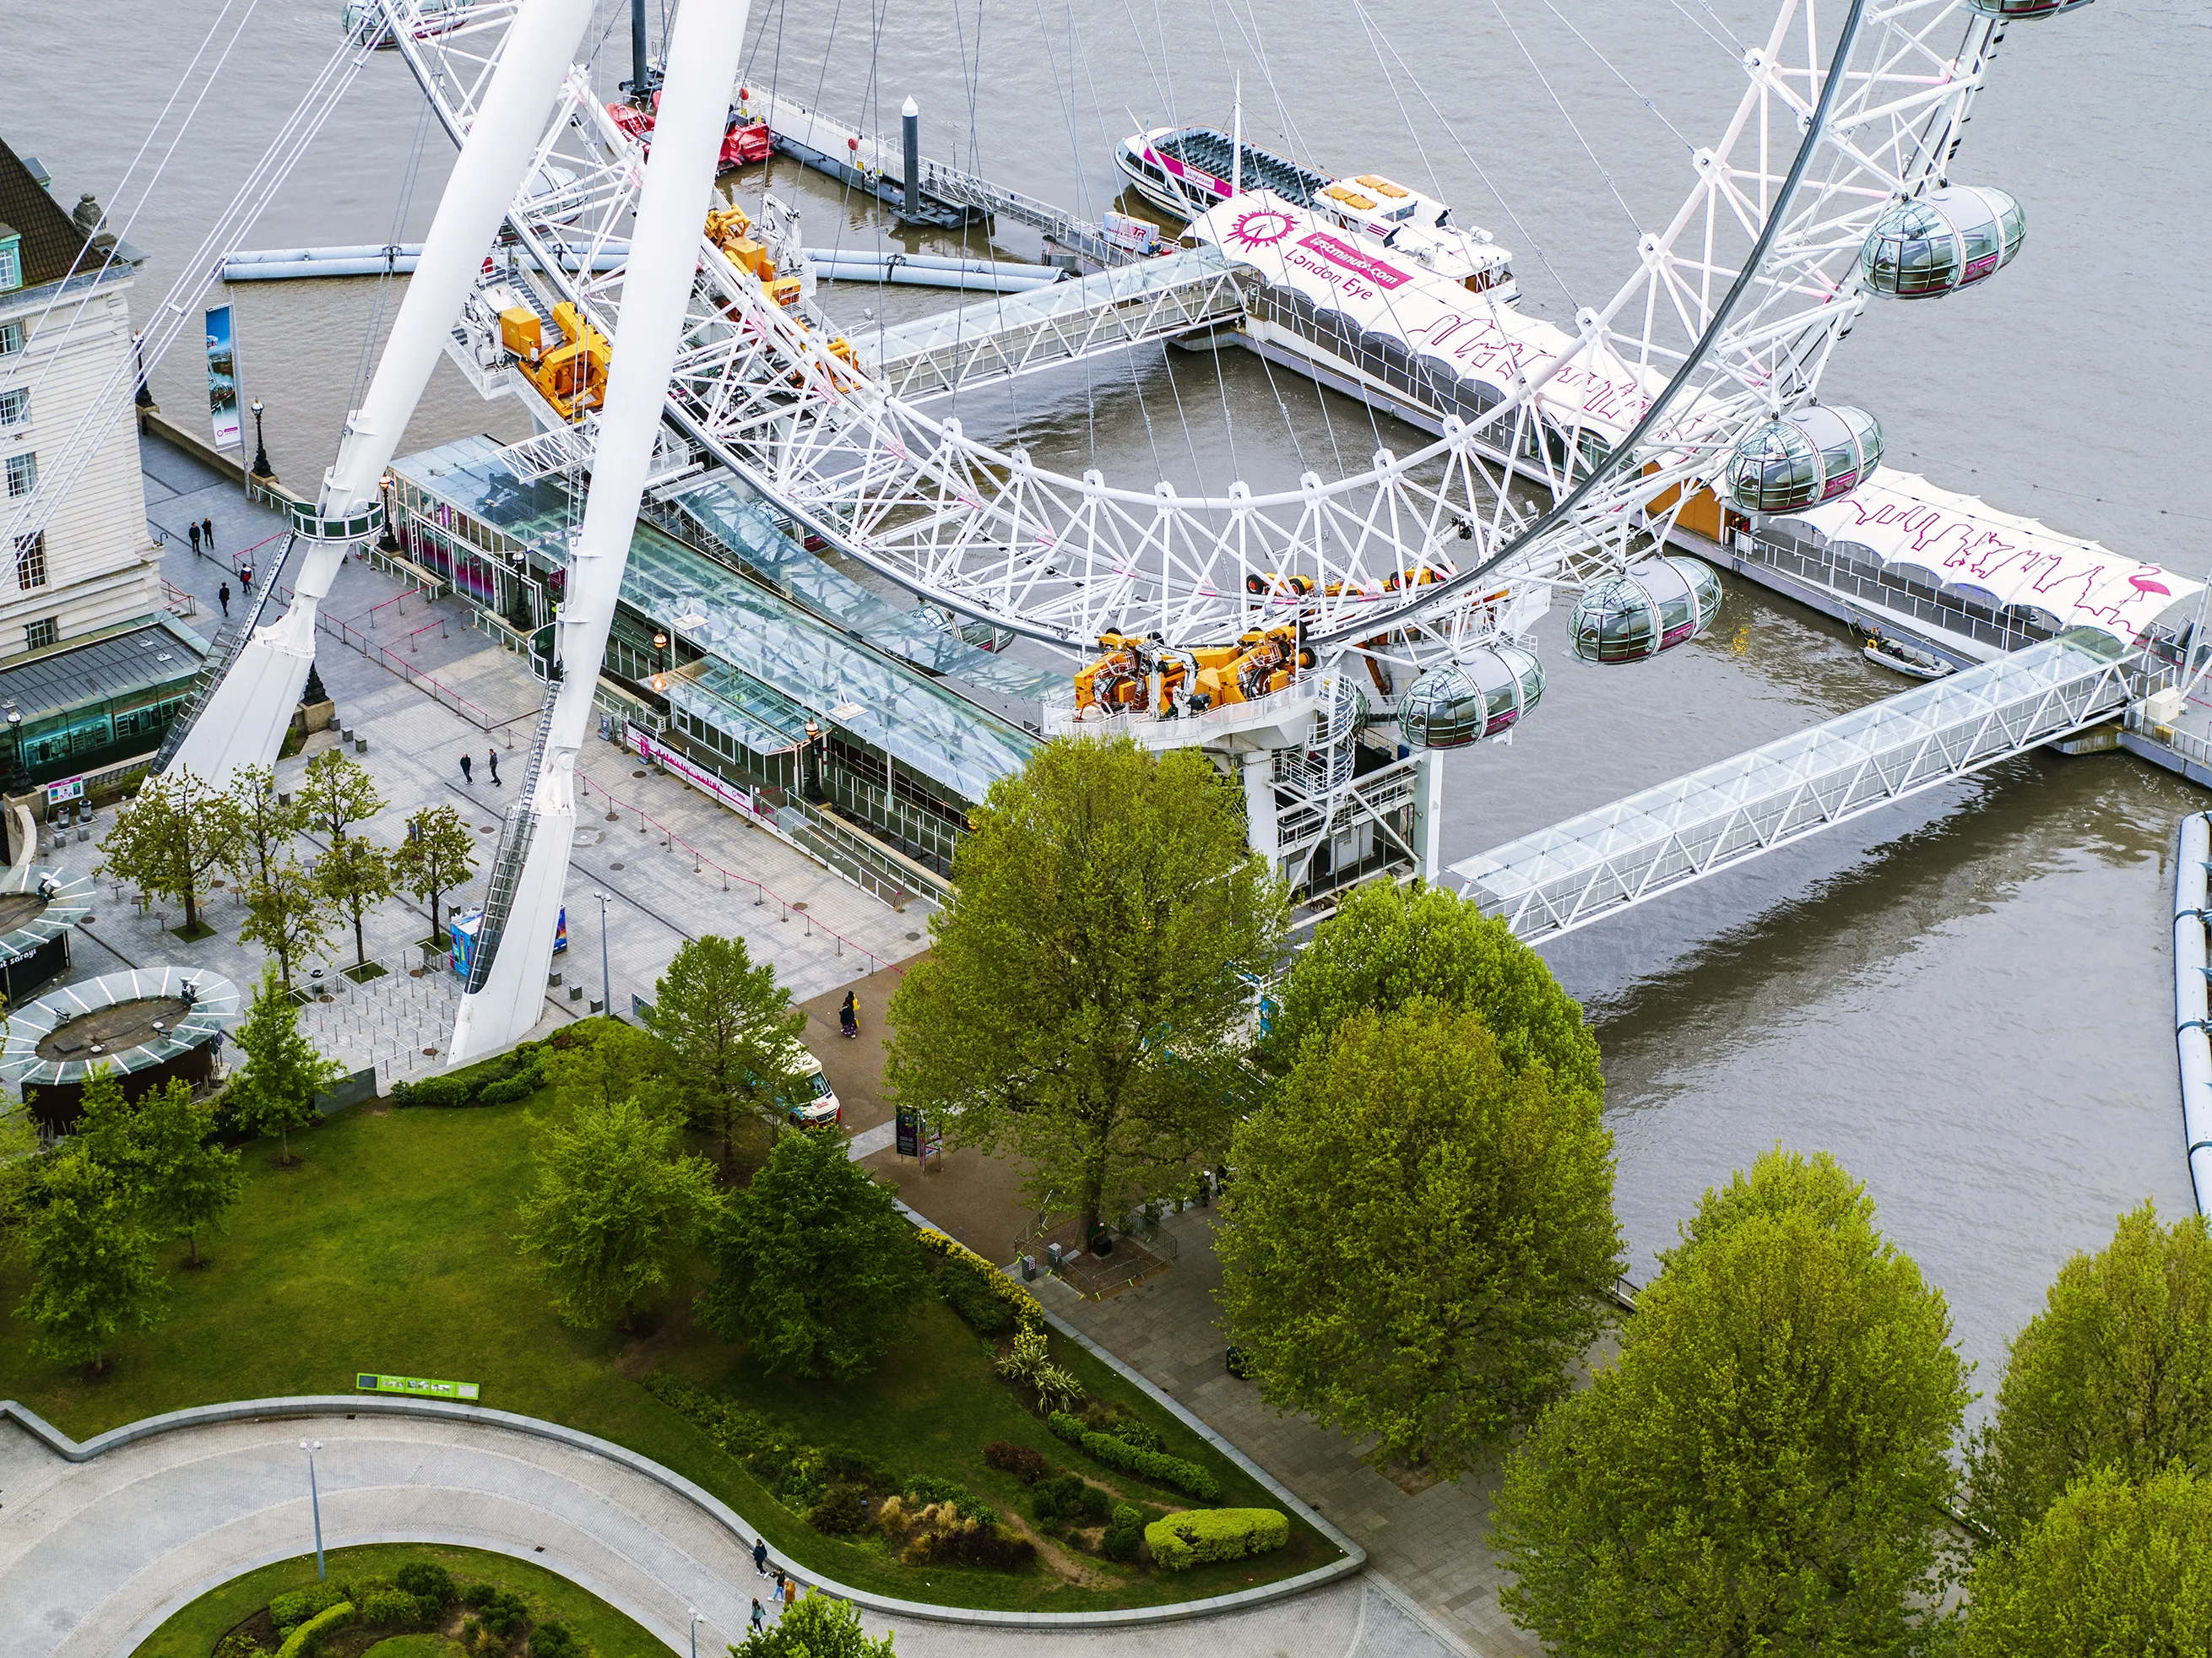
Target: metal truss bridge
[(1660, 840)]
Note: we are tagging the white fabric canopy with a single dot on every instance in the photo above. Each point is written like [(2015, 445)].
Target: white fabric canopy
[(1916, 527)]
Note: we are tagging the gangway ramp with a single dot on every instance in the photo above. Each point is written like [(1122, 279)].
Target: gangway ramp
[(1013, 334), (1662, 839)]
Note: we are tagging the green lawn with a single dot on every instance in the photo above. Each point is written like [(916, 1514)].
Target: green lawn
[(193, 1631), (389, 1250)]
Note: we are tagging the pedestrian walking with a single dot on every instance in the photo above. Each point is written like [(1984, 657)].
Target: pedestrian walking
[(467, 776), (760, 1558), (848, 1017), (760, 1615), (777, 1593), (223, 593), (245, 577), (491, 759), (193, 530), (207, 536)]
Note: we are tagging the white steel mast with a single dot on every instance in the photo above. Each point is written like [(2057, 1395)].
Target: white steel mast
[(244, 718), (506, 983)]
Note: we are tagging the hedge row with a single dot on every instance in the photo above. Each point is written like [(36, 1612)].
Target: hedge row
[(1023, 1305), (1186, 1477), (302, 1640), (1197, 1536), (503, 1079)]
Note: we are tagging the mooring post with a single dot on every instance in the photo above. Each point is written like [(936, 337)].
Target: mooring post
[(910, 124)]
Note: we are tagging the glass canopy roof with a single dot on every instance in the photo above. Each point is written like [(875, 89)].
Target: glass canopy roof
[(1560, 877)]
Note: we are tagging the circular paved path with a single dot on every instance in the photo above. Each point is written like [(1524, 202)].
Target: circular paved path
[(95, 1555)]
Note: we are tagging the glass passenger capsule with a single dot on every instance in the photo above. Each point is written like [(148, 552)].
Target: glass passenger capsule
[(1796, 460), (1942, 242), (1653, 606), (2010, 9), (1464, 702)]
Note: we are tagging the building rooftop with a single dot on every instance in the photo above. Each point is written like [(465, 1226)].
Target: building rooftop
[(52, 239), (155, 653)]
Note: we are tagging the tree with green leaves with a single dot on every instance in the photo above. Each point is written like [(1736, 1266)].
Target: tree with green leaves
[(2116, 1372), (19, 1155), (338, 793), (616, 1205), (187, 1180), (91, 1254), (817, 1272), (355, 876), (105, 1127), (166, 840), (815, 1627), (1086, 997), (2112, 1566), (265, 821), (274, 1092), (1418, 1241), (1760, 1469), (438, 855), (608, 1062), (288, 914), (1388, 943), (734, 1030)]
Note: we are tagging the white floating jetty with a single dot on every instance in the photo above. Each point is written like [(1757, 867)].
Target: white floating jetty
[(2193, 998), (831, 264)]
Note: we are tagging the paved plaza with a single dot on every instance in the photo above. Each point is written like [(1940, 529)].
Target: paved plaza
[(673, 864)]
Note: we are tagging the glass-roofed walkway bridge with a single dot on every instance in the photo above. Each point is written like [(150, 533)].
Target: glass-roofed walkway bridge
[(1659, 840)]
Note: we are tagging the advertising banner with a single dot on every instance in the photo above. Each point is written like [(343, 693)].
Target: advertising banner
[(223, 378)]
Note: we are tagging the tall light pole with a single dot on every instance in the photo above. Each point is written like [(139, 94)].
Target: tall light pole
[(314, 1499), (606, 984), (695, 1632)]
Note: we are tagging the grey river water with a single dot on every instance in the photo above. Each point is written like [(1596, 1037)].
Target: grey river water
[(1967, 998)]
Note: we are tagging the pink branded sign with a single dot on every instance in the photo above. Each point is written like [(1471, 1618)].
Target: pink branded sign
[(705, 781), (1343, 254)]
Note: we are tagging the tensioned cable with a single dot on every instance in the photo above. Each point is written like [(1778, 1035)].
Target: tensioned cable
[(1558, 104), (363, 364), (1623, 79)]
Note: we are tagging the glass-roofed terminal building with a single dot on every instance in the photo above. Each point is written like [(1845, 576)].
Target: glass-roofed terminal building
[(730, 640)]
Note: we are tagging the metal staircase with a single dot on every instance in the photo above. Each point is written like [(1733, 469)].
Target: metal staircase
[(230, 640), (514, 837)]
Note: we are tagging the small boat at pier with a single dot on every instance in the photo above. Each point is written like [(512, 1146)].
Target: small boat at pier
[(1901, 657)]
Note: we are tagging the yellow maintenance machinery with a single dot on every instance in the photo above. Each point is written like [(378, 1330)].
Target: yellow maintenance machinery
[(1134, 675), (572, 376), (730, 230)]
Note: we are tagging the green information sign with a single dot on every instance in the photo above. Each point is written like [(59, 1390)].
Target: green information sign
[(365, 1381)]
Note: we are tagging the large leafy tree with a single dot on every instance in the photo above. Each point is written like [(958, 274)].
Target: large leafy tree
[(732, 1026), (438, 855), (177, 828), (1418, 1239), (91, 1252), (817, 1272), (2111, 1567), (1387, 945), (287, 915), (608, 1061), (2116, 1371), (355, 876), (338, 793), (1760, 1469), (816, 1627), (615, 1206), (266, 821), (274, 1092), (187, 1180), (1088, 982)]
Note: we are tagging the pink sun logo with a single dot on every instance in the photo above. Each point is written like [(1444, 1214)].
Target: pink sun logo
[(1262, 227)]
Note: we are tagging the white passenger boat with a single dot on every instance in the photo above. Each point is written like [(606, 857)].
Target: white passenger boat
[(1187, 171)]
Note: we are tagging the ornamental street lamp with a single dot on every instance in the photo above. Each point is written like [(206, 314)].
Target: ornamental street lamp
[(260, 449), (659, 661), (314, 1499)]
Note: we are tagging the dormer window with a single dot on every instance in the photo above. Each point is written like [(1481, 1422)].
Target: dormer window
[(11, 259)]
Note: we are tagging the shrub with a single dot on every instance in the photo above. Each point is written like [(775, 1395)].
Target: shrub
[(394, 1607), (1196, 1535), (1071, 1500), (554, 1640), (239, 1644), (1124, 1531), (432, 1093), (288, 1612), (1101, 1418), (843, 1510), (1020, 1301), (1025, 1464), (1116, 1453), (499, 1612), (926, 1489), (427, 1580), (507, 1092), (845, 1466), (302, 1640), (969, 1293)]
